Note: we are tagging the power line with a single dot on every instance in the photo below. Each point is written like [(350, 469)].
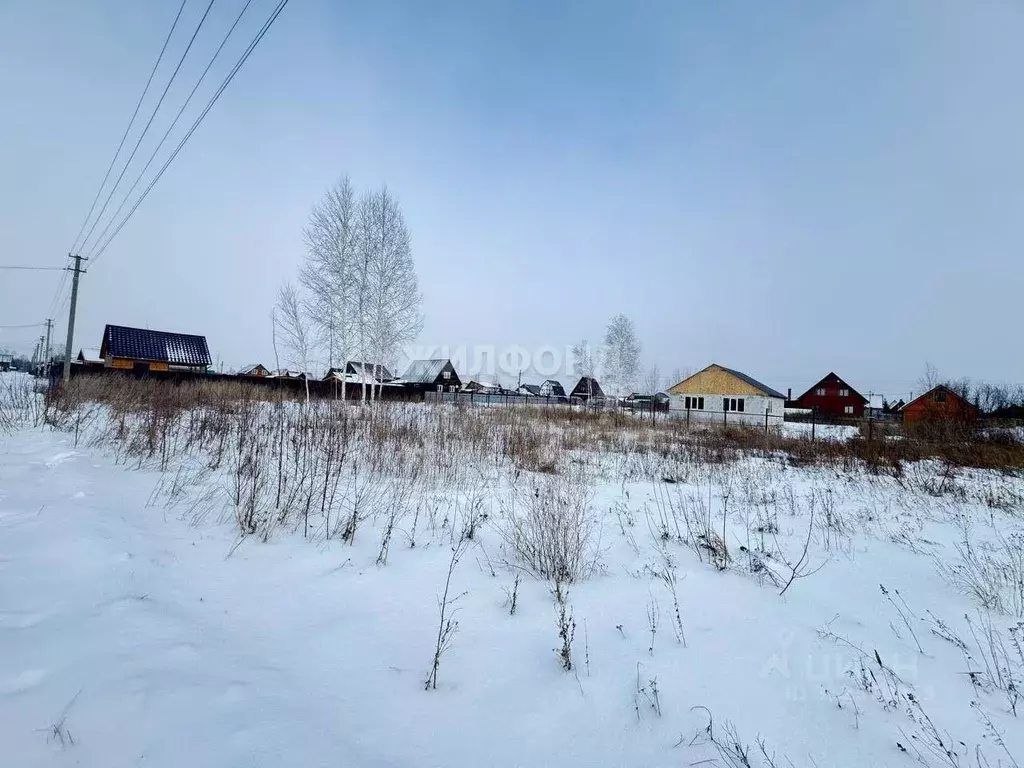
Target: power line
[(167, 133), (12, 266), (131, 122), (227, 80), (17, 327), (152, 117)]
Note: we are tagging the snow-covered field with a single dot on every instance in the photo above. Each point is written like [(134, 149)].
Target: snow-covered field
[(138, 628)]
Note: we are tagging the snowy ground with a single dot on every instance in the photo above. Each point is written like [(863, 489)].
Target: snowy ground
[(134, 632)]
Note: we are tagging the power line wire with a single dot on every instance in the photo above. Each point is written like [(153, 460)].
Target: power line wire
[(227, 80), (145, 130), (167, 133), (12, 266), (131, 122), (15, 327)]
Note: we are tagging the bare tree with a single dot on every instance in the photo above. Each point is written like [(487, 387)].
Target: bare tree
[(652, 381), (621, 354), (291, 323), (929, 379), (328, 272), (586, 360), (387, 288)]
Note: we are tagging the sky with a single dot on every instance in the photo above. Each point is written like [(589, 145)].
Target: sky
[(785, 188)]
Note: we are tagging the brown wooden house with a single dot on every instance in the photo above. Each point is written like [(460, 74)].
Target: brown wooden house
[(142, 350), (833, 397), (257, 369), (939, 404)]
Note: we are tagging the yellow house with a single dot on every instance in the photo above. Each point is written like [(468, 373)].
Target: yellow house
[(720, 393)]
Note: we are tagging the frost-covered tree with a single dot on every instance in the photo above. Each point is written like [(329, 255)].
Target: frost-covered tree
[(621, 355), (293, 331)]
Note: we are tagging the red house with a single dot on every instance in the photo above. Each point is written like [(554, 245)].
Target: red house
[(833, 397), (939, 404)]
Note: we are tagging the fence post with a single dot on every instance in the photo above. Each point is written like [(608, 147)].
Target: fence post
[(766, 419), (725, 414), (871, 428), (814, 413)]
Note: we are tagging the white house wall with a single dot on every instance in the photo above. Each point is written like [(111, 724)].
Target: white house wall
[(754, 407)]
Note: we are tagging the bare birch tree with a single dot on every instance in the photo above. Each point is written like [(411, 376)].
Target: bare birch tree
[(586, 360), (327, 274), (386, 288), (291, 323), (621, 354), (652, 381)]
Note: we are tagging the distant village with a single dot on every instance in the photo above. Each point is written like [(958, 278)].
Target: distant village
[(715, 393)]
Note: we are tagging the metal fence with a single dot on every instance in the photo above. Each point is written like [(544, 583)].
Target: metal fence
[(479, 398)]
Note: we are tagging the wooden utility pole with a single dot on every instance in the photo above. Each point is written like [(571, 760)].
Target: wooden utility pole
[(49, 328), (77, 271)]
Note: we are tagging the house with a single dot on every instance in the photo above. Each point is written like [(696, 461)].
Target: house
[(528, 390), (939, 404), (6, 361), (142, 350), (552, 388), (284, 373), (355, 372), (484, 388), (256, 369), (833, 397), (88, 362), (430, 376), (724, 394), (586, 389)]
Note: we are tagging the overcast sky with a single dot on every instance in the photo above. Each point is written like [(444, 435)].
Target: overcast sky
[(786, 188)]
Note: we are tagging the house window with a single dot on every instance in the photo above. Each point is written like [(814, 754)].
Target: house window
[(700, 403), (844, 393), (687, 402), (451, 388), (446, 375), (848, 409), (940, 397), (739, 403), (820, 391), (725, 403), (440, 387)]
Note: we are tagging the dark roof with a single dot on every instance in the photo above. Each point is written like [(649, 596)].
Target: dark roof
[(557, 390), (533, 389), (375, 370), (163, 346), (754, 382), (832, 375), (423, 371), (583, 389)]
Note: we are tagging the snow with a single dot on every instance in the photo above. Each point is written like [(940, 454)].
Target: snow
[(151, 636)]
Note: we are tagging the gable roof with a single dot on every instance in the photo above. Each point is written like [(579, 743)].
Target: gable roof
[(252, 368), (764, 389), (424, 371), (555, 386), (941, 388), (374, 371), (162, 346), (533, 389), (588, 386), (835, 376)]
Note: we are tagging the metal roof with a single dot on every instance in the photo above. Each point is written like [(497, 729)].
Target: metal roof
[(423, 371), (754, 382), (163, 346)]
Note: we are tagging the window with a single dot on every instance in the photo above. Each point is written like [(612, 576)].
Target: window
[(844, 393), (440, 387), (848, 409), (687, 402), (700, 403), (451, 388), (725, 403), (820, 391), (446, 375), (940, 397), (740, 404)]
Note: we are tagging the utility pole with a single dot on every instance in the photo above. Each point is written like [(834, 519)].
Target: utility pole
[(49, 327), (77, 271)]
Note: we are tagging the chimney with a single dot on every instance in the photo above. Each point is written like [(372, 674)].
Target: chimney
[(789, 394)]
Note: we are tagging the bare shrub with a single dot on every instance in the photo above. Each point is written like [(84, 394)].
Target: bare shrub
[(447, 626), (566, 626), (550, 527), (991, 573)]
